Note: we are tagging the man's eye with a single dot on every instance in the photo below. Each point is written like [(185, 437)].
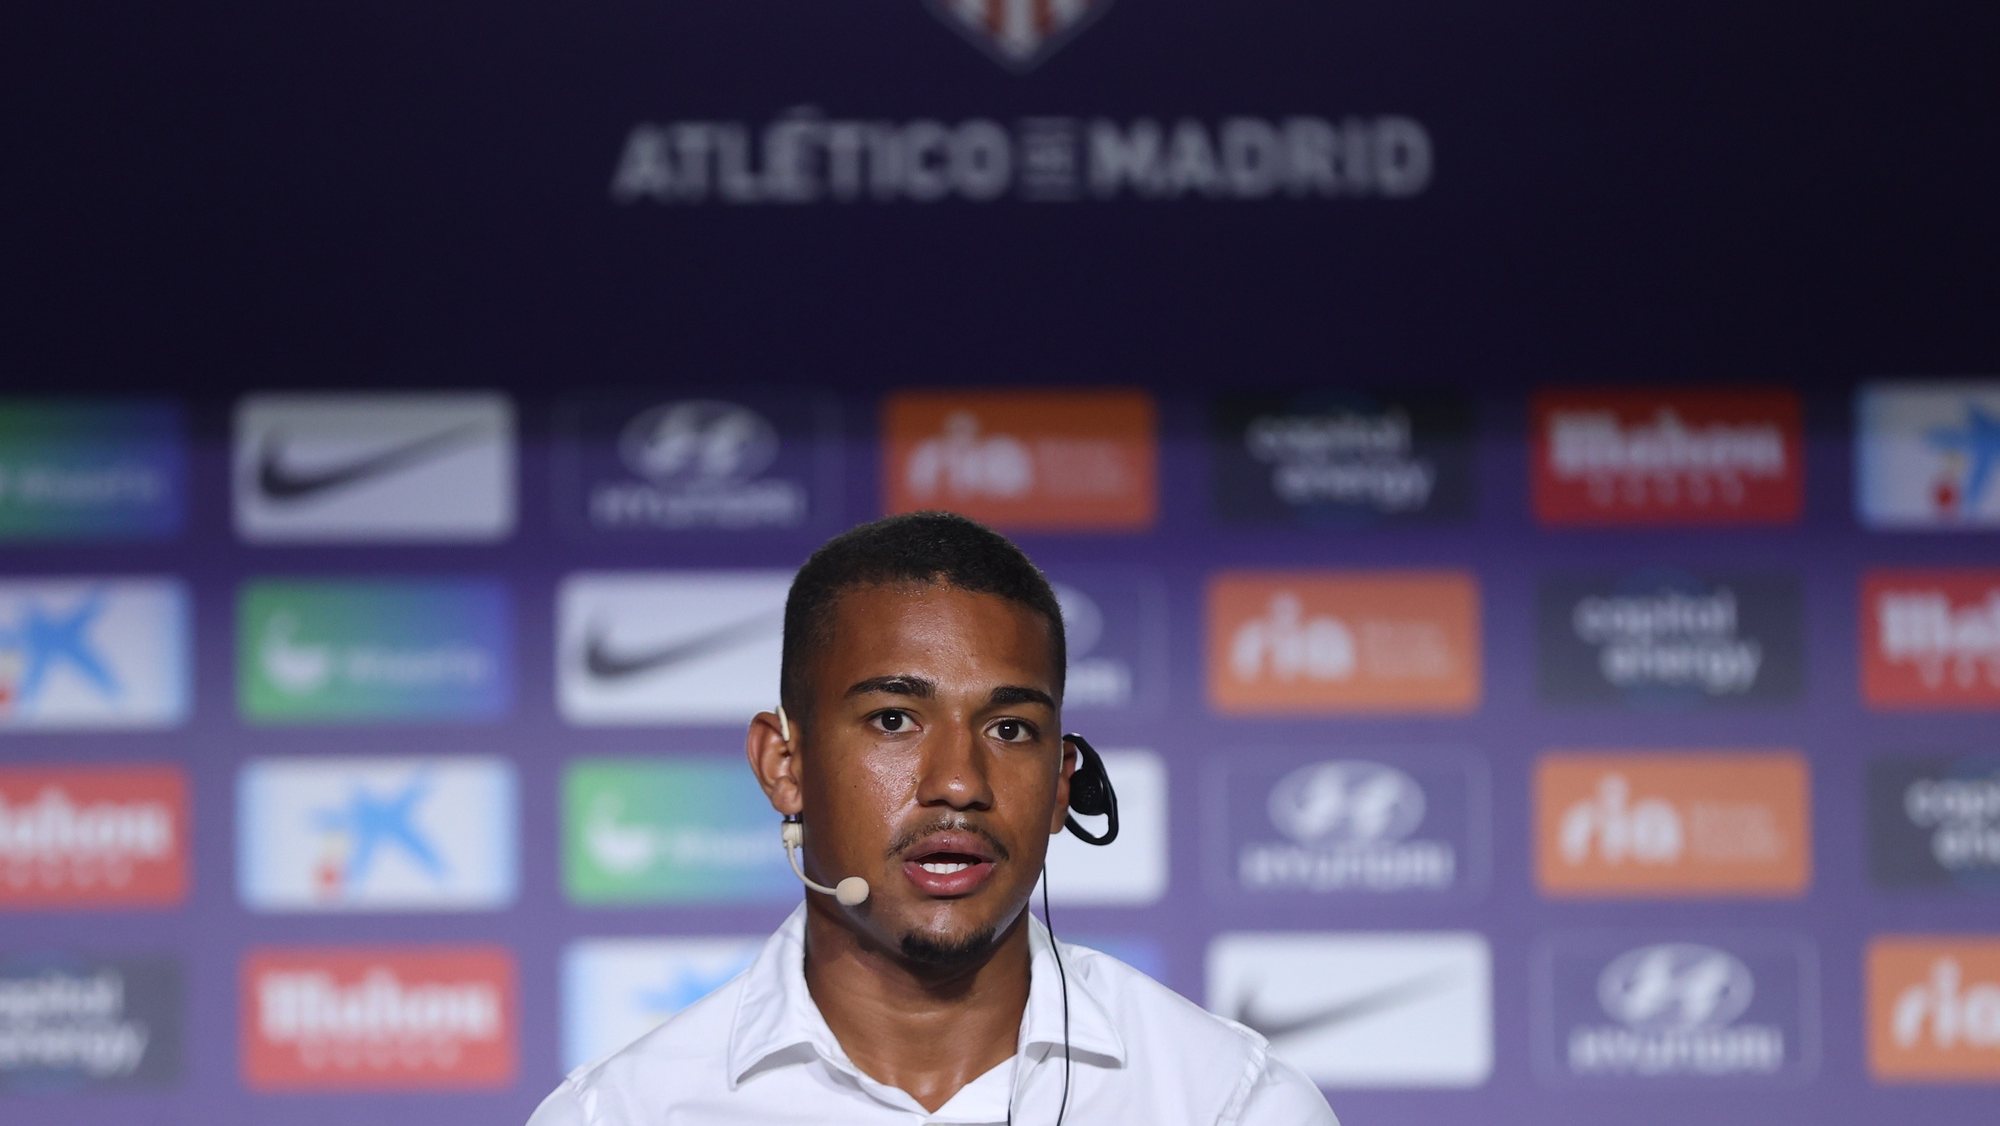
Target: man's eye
[(892, 720), (1012, 731)]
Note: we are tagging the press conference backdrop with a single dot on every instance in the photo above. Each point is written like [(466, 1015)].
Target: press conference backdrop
[(1520, 481)]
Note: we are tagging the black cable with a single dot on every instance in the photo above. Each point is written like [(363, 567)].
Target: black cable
[(1063, 976)]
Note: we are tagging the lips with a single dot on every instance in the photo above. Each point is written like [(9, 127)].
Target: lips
[(950, 864)]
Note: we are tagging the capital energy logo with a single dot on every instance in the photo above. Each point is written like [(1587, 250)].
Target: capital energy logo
[(1114, 622), (1076, 461), (1736, 1010), (402, 467), (71, 469), (678, 830), (1934, 1009), (70, 1023), (1339, 458), (1671, 639), (407, 1018), (616, 990), (1351, 825), (1668, 457), (93, 836), (358, 651), (1931, 639), (376, 834), (1934, 822), (1363, 1010), (1018, 34), (633, 466), (93, 653), (1927, 455), (1673, 824), (1134, 872), (669, 646), (1328, 641)]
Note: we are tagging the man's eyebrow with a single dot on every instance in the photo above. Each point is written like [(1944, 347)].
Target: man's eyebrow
[(898, 685), (1010, 694)]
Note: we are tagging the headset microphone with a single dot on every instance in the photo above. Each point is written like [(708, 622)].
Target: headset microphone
[(850, 892)]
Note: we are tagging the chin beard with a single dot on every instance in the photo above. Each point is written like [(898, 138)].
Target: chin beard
[(933, 950)]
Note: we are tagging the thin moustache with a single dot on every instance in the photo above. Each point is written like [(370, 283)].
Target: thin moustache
[(910, 837)]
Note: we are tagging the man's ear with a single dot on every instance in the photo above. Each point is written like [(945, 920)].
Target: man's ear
[(1067, 767), (774, 760)]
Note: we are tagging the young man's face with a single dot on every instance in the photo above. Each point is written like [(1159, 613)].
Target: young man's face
[(934, 766)]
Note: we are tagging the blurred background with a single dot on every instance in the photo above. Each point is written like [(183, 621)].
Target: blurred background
[(1520, 478)]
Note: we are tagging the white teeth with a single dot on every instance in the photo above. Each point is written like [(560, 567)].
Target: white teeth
[(943, 868)]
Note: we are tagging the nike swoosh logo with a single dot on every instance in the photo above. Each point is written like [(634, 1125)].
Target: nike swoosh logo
[(602, 663), (1342, 1012), (277, 482)]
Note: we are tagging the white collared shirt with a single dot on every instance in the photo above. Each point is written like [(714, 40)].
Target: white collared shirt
[(757, 1050)]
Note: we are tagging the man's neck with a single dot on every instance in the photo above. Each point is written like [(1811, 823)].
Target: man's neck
[(927, 1030)]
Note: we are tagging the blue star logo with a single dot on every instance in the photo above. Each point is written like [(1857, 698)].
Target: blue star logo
[(47, 639), (1979, 442), (372, 821), (687, 987)]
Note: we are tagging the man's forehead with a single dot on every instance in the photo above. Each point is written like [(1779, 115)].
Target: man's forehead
[(864, 616)]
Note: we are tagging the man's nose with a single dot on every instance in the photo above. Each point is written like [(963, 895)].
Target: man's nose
[(954, 769)]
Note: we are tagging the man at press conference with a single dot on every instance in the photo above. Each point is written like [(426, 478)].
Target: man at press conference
[(918, 762)]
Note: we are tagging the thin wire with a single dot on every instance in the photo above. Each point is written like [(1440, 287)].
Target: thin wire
[(1063, 976)]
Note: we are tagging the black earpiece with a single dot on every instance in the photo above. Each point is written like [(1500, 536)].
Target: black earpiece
[(1090, 793)]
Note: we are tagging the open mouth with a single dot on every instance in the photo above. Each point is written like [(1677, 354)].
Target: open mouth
[(949, 864)]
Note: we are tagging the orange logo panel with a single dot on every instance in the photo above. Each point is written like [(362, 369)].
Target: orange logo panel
[(1029, 460), (1326, 641), (1931, 639), (93, 836), (388, 1019), (1668, 457), (1934, 1009), (1675, 824)]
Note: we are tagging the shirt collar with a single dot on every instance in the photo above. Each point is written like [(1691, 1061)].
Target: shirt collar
[(775, 1013)]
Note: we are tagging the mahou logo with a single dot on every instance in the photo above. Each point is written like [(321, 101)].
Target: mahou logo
[(93, 837), (1672, 824), (1308, 641), (1035, 460), (1931, 639), (1934, 1009), (1668, 457), (400, 1018)]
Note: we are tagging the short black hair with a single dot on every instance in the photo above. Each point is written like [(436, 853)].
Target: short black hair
[(921, 548)]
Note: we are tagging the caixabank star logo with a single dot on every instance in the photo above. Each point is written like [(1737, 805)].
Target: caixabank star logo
[(1019, 34)]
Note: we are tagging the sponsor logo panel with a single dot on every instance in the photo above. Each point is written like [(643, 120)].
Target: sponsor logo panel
[(1342, 458), (93, 836), (1668, 457), (1115, 626), (1327, 641), (669, 647), (1673, 824), (358, 651), (684, 830), (1363, 1010), (1927, 455), (1671, 639), (1389, 824), (1677, 1011), (1134, 871), (616, 990), (376, 834), (1075, 461), (76, 470), (400, 467), (381, 1019), (1934, 1009), (688, 465), (93, 653), (1934, 822), (1931, 638), (70, 1023)]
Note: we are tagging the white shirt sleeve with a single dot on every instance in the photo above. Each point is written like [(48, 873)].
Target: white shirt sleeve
[(1282, 1096), (561, 1108)]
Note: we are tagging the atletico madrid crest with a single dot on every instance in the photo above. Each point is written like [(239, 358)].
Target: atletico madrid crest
[(1019, 33)]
